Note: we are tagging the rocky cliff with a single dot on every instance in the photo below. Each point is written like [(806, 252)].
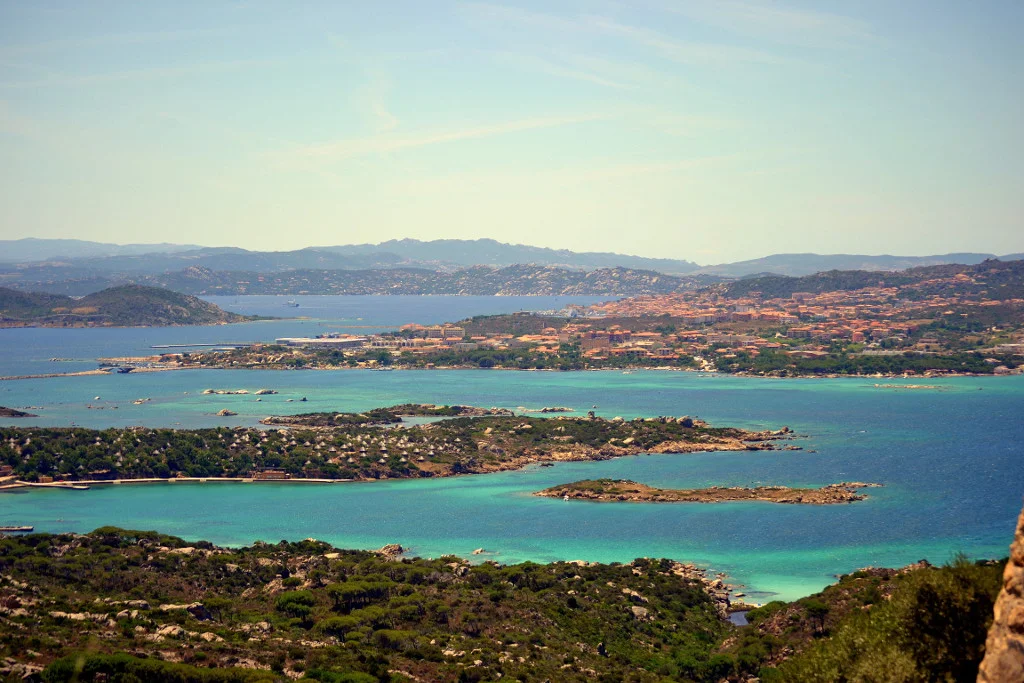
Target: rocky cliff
[(1004, 649)]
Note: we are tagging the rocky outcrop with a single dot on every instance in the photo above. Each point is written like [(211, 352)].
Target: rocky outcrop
[(1004, 649)]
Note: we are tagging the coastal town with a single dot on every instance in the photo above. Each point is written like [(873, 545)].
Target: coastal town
[(959, 323)]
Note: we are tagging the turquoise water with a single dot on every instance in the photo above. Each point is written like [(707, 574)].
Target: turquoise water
[(950, 458)]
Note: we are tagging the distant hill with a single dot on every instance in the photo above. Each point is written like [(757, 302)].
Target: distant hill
[(988, 280), (34, 249), (68, 258), (518, 280), (493, 253), (122, 306), (35, 264), (807, 264)]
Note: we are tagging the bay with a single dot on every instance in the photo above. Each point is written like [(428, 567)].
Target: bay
[(30, 351), (950, 458)]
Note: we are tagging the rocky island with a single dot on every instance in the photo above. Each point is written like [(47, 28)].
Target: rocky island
[(624, 490), (359, 446)]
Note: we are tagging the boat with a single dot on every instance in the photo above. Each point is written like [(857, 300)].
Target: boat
[(16, 529), (565, 497), (291, 303)]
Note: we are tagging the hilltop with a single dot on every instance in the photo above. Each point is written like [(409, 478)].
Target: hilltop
[(122, 306)]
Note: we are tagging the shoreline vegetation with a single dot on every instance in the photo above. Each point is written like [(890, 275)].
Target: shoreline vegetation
[(373, 445), (117, 604), (624, 490)]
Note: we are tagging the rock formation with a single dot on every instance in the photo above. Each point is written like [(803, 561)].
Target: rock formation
[(1004, 649)]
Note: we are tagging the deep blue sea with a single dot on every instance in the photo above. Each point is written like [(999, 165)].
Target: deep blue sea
[(950, 457)]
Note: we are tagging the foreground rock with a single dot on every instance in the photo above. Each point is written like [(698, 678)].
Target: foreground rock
[(623, 490), (1004, 648)]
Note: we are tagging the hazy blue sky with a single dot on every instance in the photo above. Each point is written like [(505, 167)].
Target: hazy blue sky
[(707, 130)]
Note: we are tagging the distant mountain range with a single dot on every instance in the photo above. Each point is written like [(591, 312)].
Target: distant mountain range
[(77, 267), (124, 306), (435, 255)]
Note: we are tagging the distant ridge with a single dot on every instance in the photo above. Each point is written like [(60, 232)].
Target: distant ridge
[(494, 253), (988, 280), (35, 249), (518, 280), (808, 264), (42, 261)]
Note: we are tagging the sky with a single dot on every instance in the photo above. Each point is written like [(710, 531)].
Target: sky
[(709, 130)]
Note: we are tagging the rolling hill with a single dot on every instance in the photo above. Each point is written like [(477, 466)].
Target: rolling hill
[(122, 306)]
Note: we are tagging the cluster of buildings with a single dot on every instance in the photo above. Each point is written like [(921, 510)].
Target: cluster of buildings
[(883, 319)]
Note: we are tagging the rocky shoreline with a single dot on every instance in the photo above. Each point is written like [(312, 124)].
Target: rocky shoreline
[(624, 490)]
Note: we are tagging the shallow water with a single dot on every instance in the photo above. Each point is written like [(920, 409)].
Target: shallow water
[(950, 459)]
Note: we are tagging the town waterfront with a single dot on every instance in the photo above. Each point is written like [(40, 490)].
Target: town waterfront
[(949, 456)]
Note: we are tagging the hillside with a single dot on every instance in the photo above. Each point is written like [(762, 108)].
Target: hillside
[(491, 252), (991, 279), (524, 280), (122, 306), (795, 265), (117, 605)]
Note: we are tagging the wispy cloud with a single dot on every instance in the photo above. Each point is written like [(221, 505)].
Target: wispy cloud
[(586, 68), (553, 68), (382, 144), (683, 51), (148, 73), (687, 52), (372, 101), (567, 176), (774, 21), (504, 14), (132, 38)]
